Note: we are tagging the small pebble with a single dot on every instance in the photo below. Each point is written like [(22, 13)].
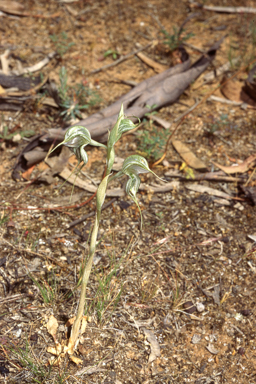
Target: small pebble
[(189, 307), (245, 312), (241, 351), (238, 316), (200, 307), (196, 339)]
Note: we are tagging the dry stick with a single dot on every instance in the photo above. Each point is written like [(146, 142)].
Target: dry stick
[(121, 59), (229, 9), (225, 101), (36, 67), (18, 296), (251, 176), (187, 113), (26, 14), (83, 218), (76, 206), (41, 255)]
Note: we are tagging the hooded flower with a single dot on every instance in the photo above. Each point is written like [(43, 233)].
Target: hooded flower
[(76, 139), (132, 167)]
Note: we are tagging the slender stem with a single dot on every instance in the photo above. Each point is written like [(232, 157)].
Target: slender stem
[(85, 277)]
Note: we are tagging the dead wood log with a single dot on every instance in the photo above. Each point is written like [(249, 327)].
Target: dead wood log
[(20, 82)]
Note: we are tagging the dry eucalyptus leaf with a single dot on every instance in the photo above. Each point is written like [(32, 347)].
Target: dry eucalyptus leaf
[(89, 370), (58, 163), (11, 6), (83, 325), (55, 350), (52, 326), (118, 163), (70, 321), (152, 63), (222, 202), (154, 345), (76, 360), (188, 156), (166, 124), (78, 182), (204, 189), (160, 189), (212, 349), (233, 90), (241, 168)]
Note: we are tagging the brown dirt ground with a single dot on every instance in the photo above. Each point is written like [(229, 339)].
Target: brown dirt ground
[(142, 280)]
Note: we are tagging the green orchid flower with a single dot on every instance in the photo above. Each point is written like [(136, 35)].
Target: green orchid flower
[(132, 167), (122, 125), (76, 139)]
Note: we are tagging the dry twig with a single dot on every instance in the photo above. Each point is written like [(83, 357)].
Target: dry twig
[(116, 62)]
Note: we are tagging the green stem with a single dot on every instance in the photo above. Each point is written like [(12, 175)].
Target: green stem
[(85, 277)]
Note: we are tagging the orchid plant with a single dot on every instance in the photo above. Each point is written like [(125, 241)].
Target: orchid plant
[(76, 138)]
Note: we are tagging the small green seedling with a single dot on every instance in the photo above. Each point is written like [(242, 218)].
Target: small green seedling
[(151, 140), (175, 39), (61, 43), (6, 136), (76, 138), (74, 99), (48, 288), (151, 113), (111, 52)]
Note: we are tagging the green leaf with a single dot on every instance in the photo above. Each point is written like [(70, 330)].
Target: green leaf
[(101, 192)]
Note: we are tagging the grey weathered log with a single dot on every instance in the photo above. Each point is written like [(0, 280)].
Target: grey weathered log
[(21, 82)]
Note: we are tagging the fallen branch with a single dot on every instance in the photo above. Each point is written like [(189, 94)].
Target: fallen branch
[(38, 66), (224, 101)]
